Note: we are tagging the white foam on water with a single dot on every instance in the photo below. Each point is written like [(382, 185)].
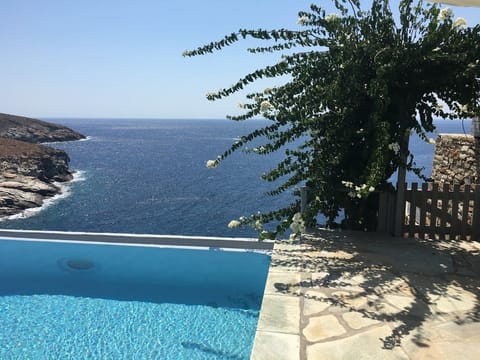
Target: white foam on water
[(61, 142), (86, 139)]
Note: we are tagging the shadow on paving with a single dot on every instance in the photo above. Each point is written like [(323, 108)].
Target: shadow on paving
[(409, 284)]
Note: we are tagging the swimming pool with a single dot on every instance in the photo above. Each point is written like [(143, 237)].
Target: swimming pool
[(107, 301)]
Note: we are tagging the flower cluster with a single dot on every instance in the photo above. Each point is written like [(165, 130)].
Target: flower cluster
[(358, 191), (331, 17), (395, 147), (463, 109), (297, 225), (259, 150), (459, 23), (233, 224), (265, 106), (445, 13), (302, 20), (212, 164)]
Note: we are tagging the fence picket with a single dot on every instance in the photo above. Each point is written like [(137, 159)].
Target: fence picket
[(476, 215), (455, 222), (465, 223), (413, 209)]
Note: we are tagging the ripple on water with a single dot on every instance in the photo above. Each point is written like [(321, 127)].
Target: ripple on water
[(57, 326)]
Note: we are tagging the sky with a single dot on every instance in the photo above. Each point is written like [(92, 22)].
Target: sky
[(123, 59)]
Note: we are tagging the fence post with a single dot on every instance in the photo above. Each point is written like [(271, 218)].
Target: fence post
[(304, 190), (476, 215), (386, 212), (401, 187)]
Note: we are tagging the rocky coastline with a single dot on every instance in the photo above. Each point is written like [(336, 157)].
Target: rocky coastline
[(30, 172)]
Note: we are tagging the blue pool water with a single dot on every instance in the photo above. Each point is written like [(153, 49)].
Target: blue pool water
[(79, 301)]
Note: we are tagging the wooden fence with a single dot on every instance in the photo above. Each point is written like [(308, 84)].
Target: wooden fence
[(442, 212), (431, 211)]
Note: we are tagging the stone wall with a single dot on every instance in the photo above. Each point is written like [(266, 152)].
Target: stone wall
[(456, 159)]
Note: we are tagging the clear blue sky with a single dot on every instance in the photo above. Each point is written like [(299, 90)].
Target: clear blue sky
[(116, 58)]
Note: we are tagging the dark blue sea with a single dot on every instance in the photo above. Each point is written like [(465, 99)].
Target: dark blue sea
[(149, 177)]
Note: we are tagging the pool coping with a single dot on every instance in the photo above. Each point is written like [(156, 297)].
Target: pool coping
[(140, 239)]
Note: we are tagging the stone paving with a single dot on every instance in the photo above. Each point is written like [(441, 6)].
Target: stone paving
[(346, 295)]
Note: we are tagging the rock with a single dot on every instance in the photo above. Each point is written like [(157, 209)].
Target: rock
[(28, 170), (27, 175), (34, 131), (38, 161)]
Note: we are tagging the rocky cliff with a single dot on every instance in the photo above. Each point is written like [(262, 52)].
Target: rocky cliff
[(28, 171), (34, 131)]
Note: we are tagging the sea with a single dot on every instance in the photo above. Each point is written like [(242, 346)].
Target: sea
[(149, 176)]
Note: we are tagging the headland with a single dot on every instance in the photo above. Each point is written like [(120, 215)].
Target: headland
[(31, 172)]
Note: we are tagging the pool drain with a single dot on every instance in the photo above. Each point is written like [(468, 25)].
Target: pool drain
[(79, 264)]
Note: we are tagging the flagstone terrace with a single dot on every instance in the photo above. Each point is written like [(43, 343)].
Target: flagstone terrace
[(345, 295)]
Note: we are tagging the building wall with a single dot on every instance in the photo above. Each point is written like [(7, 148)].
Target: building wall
[(456, 159)]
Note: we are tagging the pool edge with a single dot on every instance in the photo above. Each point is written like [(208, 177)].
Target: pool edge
[(140, 239)]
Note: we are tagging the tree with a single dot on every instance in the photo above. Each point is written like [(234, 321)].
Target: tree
[(359, 81)]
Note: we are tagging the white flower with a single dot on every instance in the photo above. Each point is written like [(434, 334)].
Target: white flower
[(463, 108), (436, 49), (259, 150), (431, 141), (265, 106), (460, 22), (297, 225), (331, 17), (258, 225), (212, 164), (233, 224), (445, 13), (438, 106), (371, 189), (297, 228), (394, 147), (297, 217), (302, 20)]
